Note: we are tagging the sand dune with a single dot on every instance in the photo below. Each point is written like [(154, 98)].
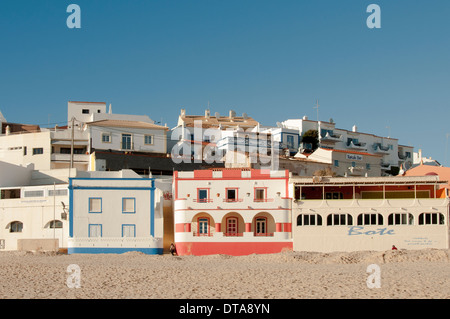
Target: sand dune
[(298, 275)]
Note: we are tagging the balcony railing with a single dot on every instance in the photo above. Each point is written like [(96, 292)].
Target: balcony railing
[(233, 234), (331, 138), (264, 235), (202, 200), (230, 200), (195, 234), (377, 148), (263, 200), (358, 146)]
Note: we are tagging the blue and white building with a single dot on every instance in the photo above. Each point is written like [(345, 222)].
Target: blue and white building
[(115, 212)]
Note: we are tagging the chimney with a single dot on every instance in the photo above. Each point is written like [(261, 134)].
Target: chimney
[(183, 113), (207, 113), (355, 128), (232, 114), (305, 117)]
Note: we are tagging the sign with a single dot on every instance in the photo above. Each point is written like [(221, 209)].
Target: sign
[(354, 157)]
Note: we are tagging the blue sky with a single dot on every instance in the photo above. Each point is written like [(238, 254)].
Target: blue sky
[(270, 59)]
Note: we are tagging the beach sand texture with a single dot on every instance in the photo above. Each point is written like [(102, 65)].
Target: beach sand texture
[(298, 275)]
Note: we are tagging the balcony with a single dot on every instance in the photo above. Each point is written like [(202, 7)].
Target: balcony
[(331, 138), (229, 200), (264, 235), (202, 200), (357, 146), (356, 170), (380, 149), (58, 157), (233, 234), (385, 166)]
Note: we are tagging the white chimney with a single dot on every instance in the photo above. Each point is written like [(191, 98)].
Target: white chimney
[(305, 117), (355, 128), (207, 114)]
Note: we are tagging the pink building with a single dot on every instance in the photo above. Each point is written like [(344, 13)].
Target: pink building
[(232, 211)]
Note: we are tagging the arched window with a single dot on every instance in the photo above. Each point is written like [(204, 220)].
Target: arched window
[(309, 220), (15, 227), (339, 219), (370, 219), (431, 219), (400, 219)]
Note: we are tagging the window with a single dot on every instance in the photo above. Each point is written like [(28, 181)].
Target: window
[(148, 139), (353, 164), (290, 141), (232, 195), (38, 151), (260, 194), (309, 220), (36, 193), (95, 205), (128, 230), (336, 163), (126, 142), (57, 192), (203, 195), (15, 227), (260, 227), (400, 219), (368, 166), (335, 195), (24, 150), (129, 205), (55, 224), (95, 230), (106, 138), (203, 229), (85, 111), (431, 219), (339, 220), (370, 219)]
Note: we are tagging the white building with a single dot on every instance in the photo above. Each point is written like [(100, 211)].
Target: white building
[(111, 213), (128, 136), (369, 213), (330, 137), (33, 208)]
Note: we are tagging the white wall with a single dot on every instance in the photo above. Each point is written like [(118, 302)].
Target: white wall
[(158, 146), (35, 213)]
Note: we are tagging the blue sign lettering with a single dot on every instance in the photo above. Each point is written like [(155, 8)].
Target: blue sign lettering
[(358, 230)]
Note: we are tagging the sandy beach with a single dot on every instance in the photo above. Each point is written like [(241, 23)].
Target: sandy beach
[(404, 274)]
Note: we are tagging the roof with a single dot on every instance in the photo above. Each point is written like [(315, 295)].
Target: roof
[(129, 124), (213, 121), (427, 170)]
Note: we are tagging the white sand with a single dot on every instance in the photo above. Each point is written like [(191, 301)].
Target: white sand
[(404, 274)]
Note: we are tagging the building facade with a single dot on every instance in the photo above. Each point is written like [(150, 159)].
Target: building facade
[(369, 213), (115, 215), (231, 211)]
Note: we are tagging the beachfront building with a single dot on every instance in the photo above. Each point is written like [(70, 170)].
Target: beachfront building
[(231, 211), (33, 208), (115, 212), (369, 213)]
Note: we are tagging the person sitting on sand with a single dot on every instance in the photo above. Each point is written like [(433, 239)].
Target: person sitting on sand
[(173, 250), (393, 247)]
